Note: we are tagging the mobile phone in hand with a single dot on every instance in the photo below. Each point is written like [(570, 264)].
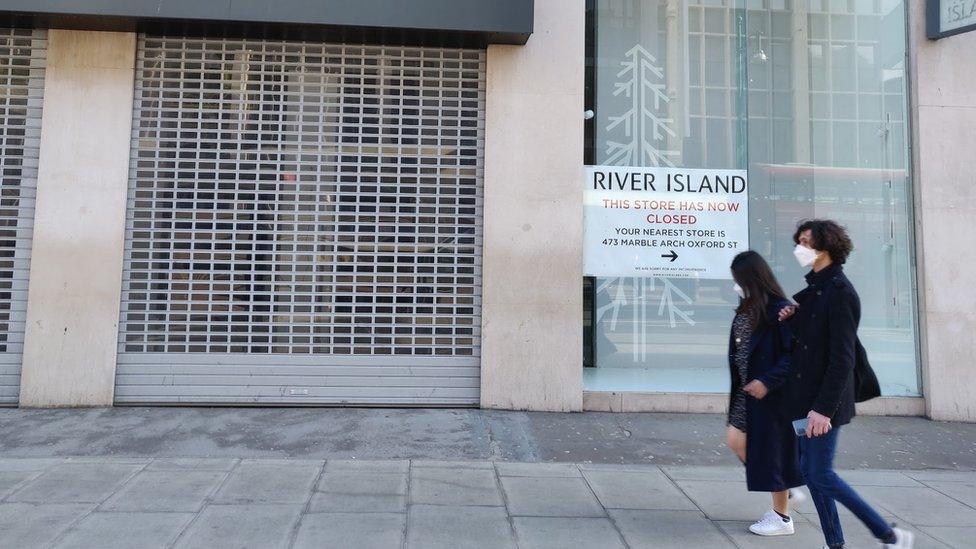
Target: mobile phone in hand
[(800, 427)]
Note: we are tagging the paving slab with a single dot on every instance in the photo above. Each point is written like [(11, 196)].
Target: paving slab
[(362, 466), (261, 481), (942, 476), (357, 503), (809, 512), (964, 492), (451, 464), (438, 527), (654, 529), (567, 470), (341, 482), (550, 497), (118, 460), (242, 526), (125, 531), (454, 486), (705, 472), (24, 525), (361, 531), (455, 504), (807, 535), (560, 533), (856, 535), (861, 477), (633, 467), (11, 480), (952, 536), (637, 490), (340, 491), (165, 491), (728, 501), (27, 464), (76, 482), (920, 506), (192, 464)]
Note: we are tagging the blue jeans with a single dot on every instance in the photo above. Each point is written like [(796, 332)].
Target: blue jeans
[(826, 489)]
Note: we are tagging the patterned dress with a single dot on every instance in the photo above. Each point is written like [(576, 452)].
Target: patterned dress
[(741, 333)]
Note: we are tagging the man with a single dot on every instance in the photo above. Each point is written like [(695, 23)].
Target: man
[(820, 386)]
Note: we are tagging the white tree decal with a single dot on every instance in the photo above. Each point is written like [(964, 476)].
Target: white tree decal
[(667, 302), (645, 131), (619, 299)]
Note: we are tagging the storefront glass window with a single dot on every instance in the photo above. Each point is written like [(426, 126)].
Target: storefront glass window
[(810, 97)]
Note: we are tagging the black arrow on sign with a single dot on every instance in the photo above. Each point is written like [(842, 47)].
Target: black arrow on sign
[(672, 255)]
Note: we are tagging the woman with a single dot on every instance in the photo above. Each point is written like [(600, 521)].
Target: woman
[(759, 359)]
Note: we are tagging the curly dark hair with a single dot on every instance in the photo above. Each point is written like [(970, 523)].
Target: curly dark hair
[(828, 236)]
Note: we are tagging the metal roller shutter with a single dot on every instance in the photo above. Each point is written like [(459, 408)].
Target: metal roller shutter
[(304, 224), (22, 61)]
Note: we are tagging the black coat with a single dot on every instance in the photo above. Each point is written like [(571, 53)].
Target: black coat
[(772, 462), (825, 334)]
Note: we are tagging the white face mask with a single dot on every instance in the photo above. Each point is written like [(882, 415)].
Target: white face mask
[(738, 289), (805, 256)]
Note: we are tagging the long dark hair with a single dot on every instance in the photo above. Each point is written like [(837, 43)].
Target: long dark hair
[(752, 273)]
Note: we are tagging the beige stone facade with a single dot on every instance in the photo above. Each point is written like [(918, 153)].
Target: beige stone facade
[(79, 221), (532, 348), (532, 261), (944, 115)]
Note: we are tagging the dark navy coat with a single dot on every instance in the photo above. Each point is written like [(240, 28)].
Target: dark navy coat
[(825, 332), (772, 458)]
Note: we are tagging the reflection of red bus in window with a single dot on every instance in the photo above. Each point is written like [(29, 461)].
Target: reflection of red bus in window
[(874, 205)]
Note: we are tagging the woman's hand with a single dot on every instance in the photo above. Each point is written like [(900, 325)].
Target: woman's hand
[(756, 389), (817, 424), (786, 312)]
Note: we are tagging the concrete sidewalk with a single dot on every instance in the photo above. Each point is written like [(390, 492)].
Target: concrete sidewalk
[(458, 434), (352, 478), (106, 502)]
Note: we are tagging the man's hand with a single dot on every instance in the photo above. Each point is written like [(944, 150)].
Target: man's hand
[(757, 389), (817, 424), (786, 312)]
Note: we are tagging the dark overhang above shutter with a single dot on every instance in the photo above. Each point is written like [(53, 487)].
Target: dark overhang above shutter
[(449, 22)]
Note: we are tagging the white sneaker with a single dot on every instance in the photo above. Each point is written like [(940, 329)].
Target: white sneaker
[(797, 497), (772, 525), (903, 540)]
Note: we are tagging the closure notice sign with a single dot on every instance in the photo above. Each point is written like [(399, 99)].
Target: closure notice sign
[(667, 222)]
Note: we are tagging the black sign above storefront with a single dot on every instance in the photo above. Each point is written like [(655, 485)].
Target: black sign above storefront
[(431, 21), (948, 17)]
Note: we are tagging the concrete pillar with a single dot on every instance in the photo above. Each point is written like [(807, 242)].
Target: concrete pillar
[(79, 224), (943, 118), (532, 308)]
